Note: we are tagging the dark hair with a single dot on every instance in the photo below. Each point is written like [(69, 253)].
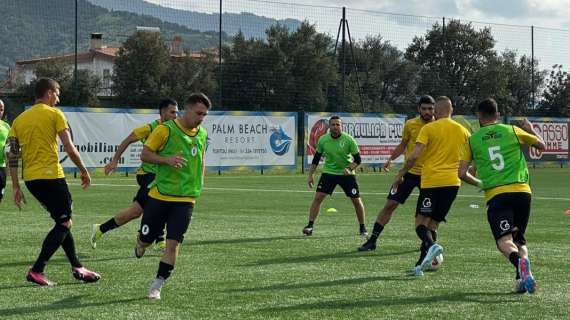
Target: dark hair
[(165, 103), (44, 85), (334, 118), (488, 107), (196, 98), (426, 99)]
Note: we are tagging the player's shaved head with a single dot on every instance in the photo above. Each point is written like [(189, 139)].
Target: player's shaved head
[(443, 107)]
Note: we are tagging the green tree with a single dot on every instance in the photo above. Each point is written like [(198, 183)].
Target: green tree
[(388, 81), (88, 85), (451, 59), (186, 75), (140, 67), (556, 95)]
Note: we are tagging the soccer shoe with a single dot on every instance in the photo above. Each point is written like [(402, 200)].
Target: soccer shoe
[(369, 245), (526, 275), (363, 232), (139, 251), (95, 235), (308, 231), (85, 275), (160, 246), (433, 252), (39, 278), (417, 271), (519, 286), (155, 287)]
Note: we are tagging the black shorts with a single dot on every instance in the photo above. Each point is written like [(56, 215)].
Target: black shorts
[(436, 202), (157, 213), (508, 213), (54, 196), (404, 190), (328, 182), (143, 181), (2, 182)]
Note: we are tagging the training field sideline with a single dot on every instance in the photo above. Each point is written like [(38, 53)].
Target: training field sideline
[(244, 257)]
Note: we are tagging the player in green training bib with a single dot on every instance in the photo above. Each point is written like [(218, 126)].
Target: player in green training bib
[(342, 157), (177, 148), (4, 130), (168, 109), (495, 151)]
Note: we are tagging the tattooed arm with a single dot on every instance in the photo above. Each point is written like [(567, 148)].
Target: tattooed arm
[(13, 162)]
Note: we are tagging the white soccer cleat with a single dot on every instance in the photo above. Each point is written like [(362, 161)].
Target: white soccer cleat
[(155, 287), (417, 271)]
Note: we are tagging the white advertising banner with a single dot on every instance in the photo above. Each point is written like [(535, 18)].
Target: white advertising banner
[(377, 135), (97, 133), (237, 139)]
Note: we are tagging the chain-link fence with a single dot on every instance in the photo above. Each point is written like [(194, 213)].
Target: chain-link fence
[(273, 56)]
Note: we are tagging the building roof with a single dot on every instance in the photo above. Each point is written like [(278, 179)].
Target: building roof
[(107, 52)]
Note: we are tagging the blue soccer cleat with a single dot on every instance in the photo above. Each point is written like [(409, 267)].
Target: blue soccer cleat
[(526, 275), (434, 251)]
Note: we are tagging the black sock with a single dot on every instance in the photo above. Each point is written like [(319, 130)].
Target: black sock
[(514, 258), (68, 246), (423, 253), (425, 235), (310, 225), (434, 235), (51, 243), (164, 270), (362, 227), (376, 231), (109, 225)]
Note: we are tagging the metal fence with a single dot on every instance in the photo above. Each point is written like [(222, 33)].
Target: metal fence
[(274, 56)]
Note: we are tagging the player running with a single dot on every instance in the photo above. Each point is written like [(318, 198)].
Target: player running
[(439, 143), (168, 109), (411, 179), (33, 136), (503, 174), (342, 157), (177, 147), (4, 130)]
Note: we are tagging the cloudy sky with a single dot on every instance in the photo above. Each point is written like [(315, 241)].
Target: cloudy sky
[(545, 13), (398, 21)]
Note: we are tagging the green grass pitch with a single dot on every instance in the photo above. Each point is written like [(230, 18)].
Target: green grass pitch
[(244, 257)]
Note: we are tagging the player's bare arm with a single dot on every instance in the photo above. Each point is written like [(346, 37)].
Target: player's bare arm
[(176, 161), (14, 155), (75, 157), (398, 151), (418, 150), (130, 139), (527, 126), (465, 174)]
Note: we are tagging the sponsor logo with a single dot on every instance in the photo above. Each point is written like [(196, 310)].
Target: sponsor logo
[(426, 203), (145, 229), (280, 142), (319, 129)]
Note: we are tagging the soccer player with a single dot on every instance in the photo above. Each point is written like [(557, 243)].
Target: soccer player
[(168, 109), (4, 130), (503, 174), (342, 157), (33, 136), (177, 148), (440, 143), (411, 179)]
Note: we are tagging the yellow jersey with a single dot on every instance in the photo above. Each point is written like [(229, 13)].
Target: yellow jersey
[(142, 133), (524, 138), (155, 142), (443, 140), (412, 128), (36, 130)]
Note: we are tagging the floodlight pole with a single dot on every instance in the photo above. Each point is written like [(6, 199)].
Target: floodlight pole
[(75, 93)]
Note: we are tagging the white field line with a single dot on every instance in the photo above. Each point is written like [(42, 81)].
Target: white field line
[(300, 191)]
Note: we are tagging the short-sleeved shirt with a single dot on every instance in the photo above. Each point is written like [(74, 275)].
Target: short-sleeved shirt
[(36, 130), (412, 128), (4, 131), (155, 142), (443, 140), (337, 152), (524, 138), (142, 133)]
